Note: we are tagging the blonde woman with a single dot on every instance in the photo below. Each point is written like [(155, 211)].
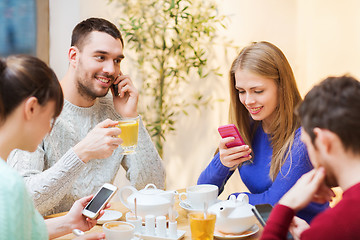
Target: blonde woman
[(263, 98)]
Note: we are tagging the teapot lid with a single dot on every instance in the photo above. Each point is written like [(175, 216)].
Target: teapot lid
[(151, 189), (149, 196)]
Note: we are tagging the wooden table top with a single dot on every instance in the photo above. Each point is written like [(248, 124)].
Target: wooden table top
[(182, 222)]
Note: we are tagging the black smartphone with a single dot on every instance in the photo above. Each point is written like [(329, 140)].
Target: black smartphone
[(115, 87), (262, 213)]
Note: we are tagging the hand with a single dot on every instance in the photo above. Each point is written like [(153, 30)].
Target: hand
[(297, 226), (232, 157), (126, 103), (100, 142), (310, 187), (78, 221), (92, 236)]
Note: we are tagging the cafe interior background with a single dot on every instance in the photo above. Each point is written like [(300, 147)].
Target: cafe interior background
[(319, 38)]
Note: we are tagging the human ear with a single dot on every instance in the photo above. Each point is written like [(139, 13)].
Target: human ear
[(30, 107), (325, 140), (72, 56)]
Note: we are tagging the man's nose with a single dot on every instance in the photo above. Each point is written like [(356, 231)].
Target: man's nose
[(109, 67)]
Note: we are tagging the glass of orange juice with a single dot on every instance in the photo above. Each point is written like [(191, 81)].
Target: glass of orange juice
[(129, 134), (202, 228)]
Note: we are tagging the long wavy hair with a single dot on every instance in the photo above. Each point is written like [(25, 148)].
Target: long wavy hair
[(266, 60)]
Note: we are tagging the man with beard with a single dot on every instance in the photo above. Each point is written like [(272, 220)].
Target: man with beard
[(81, 152), (331, 131)]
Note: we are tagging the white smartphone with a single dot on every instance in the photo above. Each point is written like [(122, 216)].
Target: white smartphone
[(99, 201)]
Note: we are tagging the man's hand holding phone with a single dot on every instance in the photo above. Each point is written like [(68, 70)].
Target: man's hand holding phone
[(232, 149), (125, 96)]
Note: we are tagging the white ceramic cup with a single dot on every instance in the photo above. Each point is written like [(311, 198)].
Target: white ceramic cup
[(197, 195), (137, 222), (115, 230)]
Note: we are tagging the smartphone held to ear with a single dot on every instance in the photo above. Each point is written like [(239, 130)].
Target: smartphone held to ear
[(230, 130), (115, 87), (99, 201)]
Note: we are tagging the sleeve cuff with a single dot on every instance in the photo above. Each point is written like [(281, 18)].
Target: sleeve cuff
[(282, 215), (71, 159), (221, 169)]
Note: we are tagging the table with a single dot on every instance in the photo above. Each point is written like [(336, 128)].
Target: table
[(182, 221)]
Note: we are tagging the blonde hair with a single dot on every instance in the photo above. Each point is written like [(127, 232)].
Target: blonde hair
[(265, 59)]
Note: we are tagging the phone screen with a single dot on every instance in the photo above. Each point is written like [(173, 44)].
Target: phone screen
[(96, 203)]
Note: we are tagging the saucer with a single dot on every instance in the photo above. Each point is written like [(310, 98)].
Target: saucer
[(187, 206), (109, 215), (251, 231)]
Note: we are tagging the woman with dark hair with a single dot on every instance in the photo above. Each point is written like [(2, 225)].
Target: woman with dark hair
[(30, 100), (263, 98)]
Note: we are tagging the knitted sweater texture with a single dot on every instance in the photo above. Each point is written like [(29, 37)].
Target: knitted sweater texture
[(56, 177)]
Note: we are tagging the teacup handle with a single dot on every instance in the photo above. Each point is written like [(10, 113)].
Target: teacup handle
[(123, 198), (182, 194)]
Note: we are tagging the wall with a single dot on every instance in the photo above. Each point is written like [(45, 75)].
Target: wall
[(319, 38)]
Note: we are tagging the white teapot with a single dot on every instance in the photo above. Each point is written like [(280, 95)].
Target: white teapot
[(149, 200), (234, 215)]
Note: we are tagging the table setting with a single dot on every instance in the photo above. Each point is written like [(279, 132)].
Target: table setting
[(152, 213)]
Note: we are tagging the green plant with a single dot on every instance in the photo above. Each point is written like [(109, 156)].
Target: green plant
[(172, 40)]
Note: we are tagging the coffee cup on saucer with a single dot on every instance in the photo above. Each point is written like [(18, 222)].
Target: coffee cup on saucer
[(197, 195)]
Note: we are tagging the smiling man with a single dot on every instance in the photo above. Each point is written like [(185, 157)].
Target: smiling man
[(81, 153), (331, 131)]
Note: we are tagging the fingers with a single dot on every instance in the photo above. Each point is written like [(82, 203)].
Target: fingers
[(125, 85), (233, 156), (92, 222), (107, 123), (319, 176), (224, 141), (85, 200), (100, 214), (108, 205), (324, 194), (100, 142)]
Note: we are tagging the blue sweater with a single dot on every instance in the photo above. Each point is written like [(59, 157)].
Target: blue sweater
[(255, 175)]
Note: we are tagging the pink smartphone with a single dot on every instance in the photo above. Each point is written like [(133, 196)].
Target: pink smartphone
[(230, 130)]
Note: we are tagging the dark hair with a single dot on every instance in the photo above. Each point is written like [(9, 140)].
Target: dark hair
[(23, 76), (84, 28), (334, 104)]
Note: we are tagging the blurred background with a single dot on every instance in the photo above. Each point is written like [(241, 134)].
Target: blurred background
[(319, 38)]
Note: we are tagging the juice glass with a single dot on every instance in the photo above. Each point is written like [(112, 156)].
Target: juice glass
[(129, 134), (202, 228)]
